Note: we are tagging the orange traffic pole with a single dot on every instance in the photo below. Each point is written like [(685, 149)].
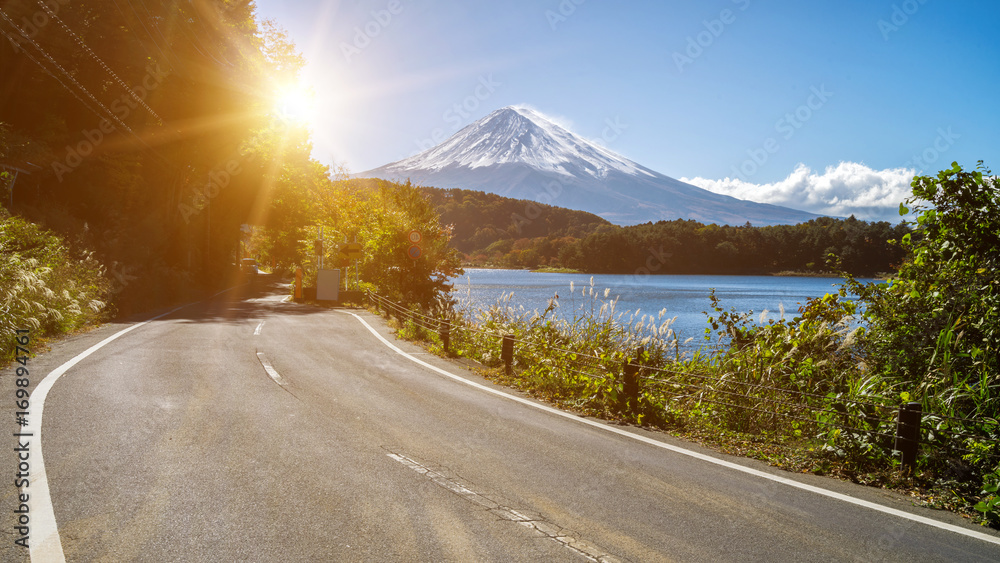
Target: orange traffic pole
[(298, 283)]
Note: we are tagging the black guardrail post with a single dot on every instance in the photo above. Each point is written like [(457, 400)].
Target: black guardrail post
[(445, 333), (908, 434), (507, 353), (383, 307), (630, 381)]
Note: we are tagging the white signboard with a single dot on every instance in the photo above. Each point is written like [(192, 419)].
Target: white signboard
[(328, 285)]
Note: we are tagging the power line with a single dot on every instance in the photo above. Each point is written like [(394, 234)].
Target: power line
[(64, 71), (54, 77), (201, 21), (194, 40), (197, 42), (76, 83), (90, 52), (152, 22), (143, 24)]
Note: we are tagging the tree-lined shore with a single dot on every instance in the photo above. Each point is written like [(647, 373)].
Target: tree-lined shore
[(495, 231)]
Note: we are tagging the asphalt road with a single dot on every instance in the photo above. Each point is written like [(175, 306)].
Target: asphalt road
[(246, 428)]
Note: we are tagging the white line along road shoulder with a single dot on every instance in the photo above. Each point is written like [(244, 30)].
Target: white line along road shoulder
[(690, 453), (44, 544)]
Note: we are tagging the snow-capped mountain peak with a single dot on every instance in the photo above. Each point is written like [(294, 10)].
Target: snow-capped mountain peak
[(516, 134), (518, 152)]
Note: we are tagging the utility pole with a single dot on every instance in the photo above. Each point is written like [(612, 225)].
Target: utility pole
[(319, 250), (208, 235), (12, 183)]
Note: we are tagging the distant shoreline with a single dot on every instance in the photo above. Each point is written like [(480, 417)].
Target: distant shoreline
[(783, 273), (799, 274)]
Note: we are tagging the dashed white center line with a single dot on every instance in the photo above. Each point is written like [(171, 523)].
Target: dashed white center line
[(536, 524), (256, 331), (690, 453), (271, 372)]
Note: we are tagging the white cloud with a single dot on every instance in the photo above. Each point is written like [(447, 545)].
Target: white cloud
[(564, 122), (850, 188)]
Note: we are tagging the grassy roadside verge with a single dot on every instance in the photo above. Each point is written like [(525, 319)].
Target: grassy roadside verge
[(46, 287), (764, 394)]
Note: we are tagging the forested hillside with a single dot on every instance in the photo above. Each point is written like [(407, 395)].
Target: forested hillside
[(479, 219), (497, 231), (689, 247)]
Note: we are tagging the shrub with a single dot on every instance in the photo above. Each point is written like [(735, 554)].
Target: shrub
[(44, 286), (935, 326)]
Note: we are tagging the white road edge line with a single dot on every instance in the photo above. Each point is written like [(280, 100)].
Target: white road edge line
[(46, 547), (273, 373), (676, 449)]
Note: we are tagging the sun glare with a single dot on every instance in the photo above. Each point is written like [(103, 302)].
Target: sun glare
[(295, 103)]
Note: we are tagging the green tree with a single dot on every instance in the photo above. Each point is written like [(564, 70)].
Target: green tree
[(935, 327), (154, 110), (382, 215)]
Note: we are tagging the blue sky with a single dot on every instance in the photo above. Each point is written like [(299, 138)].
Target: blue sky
[(820, 105)]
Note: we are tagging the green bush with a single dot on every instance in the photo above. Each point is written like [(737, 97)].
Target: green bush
[(44, 286), (935, 327)]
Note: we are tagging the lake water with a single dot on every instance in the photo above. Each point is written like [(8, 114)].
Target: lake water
[(685, 297)]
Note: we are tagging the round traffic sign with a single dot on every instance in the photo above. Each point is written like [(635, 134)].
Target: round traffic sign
[(414, 252), (414, 236)]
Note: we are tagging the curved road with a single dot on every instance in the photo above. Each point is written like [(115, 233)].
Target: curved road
[(246, 428)]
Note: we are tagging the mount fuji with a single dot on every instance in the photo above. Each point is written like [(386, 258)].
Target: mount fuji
[(517, 152)]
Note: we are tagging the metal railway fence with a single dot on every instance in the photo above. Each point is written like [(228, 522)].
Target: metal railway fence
[(864, 419)]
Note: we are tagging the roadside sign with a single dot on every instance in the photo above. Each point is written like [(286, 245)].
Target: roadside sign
[(351, 250), (414, 236), (414, 252)]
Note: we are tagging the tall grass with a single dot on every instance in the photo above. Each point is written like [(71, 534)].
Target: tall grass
[(799, 383), (44, 286), (747, 377)]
